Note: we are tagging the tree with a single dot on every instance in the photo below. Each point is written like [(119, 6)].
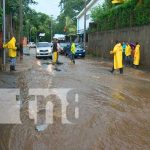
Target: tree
[(33, 22), (69, 9), (130, 13), (70, 27), (0, 18), (12, 13), (37, 23), (107, 4)]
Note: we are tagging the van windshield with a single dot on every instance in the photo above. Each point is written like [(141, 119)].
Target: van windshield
[(43, 45)]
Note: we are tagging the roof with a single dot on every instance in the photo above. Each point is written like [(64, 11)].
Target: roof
[(89, 5), (59, 36)]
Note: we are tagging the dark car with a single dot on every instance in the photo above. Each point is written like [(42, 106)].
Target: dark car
[(63, 46), (80, 51), (67, 50)]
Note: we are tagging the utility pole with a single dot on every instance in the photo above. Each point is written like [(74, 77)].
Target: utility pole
[(51, 28), (85, 9), (21, 28), (51, 31), (30, 33), (4, 34), (21, 19)]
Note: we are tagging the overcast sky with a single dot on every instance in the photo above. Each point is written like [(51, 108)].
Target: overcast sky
[(49, 7)]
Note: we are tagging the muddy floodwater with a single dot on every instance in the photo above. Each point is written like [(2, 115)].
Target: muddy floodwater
[(114, 110)]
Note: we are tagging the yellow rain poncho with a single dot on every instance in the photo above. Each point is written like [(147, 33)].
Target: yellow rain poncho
[(117, 51), (73, 48), (55, 57), (11, 47), (55, 52), (128, 50), (137, 55)]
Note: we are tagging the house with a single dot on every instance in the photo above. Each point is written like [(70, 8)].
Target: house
[(80, 17)]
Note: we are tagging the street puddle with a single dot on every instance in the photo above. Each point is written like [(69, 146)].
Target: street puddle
[(42, 127)]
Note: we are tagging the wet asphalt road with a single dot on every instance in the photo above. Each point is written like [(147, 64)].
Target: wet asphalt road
[(114, 110)]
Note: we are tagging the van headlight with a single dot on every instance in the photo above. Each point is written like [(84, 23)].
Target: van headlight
[(50, 51), (37, 50)]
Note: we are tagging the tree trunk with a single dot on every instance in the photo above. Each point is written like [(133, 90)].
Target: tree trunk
[(21, 20)]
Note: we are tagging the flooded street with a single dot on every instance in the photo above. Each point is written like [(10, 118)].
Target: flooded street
[(114, 110)]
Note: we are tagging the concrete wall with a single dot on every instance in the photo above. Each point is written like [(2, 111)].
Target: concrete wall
[(100, 43)]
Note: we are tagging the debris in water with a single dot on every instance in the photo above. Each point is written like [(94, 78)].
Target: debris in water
[(47, 63), (59, 63), (42, 127), (57, 69)]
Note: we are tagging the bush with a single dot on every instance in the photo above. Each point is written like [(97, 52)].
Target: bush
[(0, 18), (128, 14)]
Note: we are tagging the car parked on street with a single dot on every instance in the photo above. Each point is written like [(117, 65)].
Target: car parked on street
[(43, 49), (80, 51), (67, 49), (63, 46)]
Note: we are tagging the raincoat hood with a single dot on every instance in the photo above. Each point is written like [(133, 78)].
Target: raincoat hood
[(11, 45), (13, 39)]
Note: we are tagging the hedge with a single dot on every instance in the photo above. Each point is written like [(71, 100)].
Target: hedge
[(0, 18), (129, 14)]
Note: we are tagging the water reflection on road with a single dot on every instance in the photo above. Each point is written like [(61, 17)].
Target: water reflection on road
[(114, 109)]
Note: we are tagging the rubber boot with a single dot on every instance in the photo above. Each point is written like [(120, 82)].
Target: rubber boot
[(121, 70), (112, 70), (11, 68)]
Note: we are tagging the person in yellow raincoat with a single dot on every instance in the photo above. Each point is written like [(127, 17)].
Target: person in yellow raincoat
[(128, 51), (12, 52), (117, 51), (73, 50), (56, 50), (136, 61)]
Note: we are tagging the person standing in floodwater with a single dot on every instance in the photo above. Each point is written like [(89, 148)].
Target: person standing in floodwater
[(128, 58), (56, 50), (117, 52), (73, 49), (137, 55), (11, 46), (123, 51)]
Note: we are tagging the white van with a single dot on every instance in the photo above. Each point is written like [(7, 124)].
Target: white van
[(43, 49)]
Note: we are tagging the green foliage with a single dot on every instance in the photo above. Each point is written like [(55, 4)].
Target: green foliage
[(0, 18), (69, 8), (35, 23), (12, 11), (108, 4), (128, 14), (61, 21), (70, 27)]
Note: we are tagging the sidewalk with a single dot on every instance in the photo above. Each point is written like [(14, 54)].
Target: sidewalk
[(8, 79)]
